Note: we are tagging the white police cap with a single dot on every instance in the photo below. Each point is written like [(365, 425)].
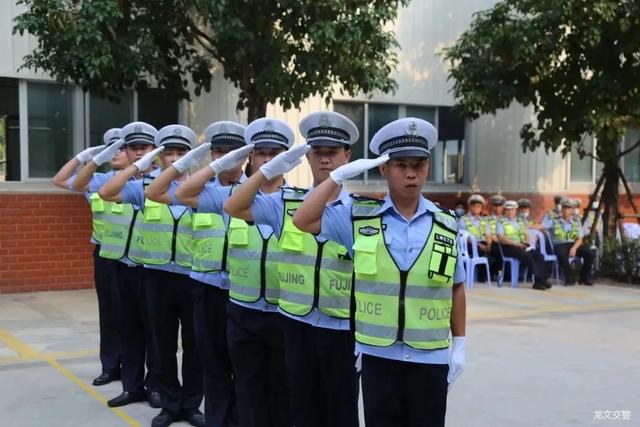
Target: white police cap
[(268, 132), (328, 129), (408, 137), (111, 136), (511, 204), (225, 134), (138, 133), (476, 198), (176, 136)]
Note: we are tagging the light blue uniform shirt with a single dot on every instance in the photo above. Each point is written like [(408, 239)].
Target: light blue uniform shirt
[(566, 227), (268, 209), (475, 220), (405, 240), (133, 192)]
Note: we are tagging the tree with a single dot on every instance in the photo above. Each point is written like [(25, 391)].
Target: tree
[(272, 50), (576, 62)]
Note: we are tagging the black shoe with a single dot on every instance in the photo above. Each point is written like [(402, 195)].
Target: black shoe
[(547, 284), (539, 286), (163, 419), (193, 417), (154, 399), (106, 379), (586, 282), (127, 397)]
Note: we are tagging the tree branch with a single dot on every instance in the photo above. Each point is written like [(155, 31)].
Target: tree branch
[(202, 37), (633, 147)]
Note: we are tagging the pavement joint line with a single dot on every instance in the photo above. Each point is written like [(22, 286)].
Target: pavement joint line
[(508, 314), (521, 301), (25, 350)]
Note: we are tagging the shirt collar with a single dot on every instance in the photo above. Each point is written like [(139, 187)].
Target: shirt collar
[(424, 206)]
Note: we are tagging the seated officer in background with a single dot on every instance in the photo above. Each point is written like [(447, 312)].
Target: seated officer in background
[(497, 210), (408, 283), (567, 235), (524, 212), (555, 212), (477, 224), (512, 235)]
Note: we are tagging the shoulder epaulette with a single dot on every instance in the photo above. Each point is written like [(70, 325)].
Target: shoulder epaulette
[(447, 219), (365, 207), (147, 180), (293, 193)]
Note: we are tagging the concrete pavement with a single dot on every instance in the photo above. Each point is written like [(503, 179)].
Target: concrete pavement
[(564, 357)]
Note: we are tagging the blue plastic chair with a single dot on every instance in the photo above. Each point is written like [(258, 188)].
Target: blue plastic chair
[(473, 259), (541, 237), (514, 267), (556, 267)]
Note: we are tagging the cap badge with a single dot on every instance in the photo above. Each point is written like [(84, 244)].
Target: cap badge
[(177, 131), (138, 128), (412, 129), (268, 125), (224, 128), (324, 120)]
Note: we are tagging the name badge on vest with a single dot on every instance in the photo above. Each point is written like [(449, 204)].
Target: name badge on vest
[(368, 230), (444, 239)]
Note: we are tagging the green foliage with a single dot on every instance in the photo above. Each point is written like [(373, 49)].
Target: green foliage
[(577, 62), (621, 259), (273, 51)]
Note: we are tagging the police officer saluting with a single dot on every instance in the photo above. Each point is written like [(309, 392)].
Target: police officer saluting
[(567, 235), (314, 274), (477, 224), (408, 283), (104, 270), (162, 243)]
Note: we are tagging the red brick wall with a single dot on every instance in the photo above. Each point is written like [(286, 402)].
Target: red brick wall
[(44, 242)]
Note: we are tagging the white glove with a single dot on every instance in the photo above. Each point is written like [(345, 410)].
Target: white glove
[(284, 162), (355, 168), (456, 359), (87, 154), (231, 159), (192, 158), (108, 153), (145, 162)]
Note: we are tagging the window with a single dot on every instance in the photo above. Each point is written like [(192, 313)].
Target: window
[(447, 158), (9, 130), (157, 107), (50, 127), (632, 160), (582, 169), (105, 114)]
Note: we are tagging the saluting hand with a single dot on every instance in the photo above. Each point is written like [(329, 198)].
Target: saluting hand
[(355, 168), (88, 153), (192, 158), (108, 153), (231, 159), (145, 162), (284, 162)]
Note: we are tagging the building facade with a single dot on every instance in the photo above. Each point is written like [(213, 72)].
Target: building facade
[(44, 231)]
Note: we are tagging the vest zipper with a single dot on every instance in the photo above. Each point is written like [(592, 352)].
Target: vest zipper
[(263, 279), (173, 240), (401, 309), (316, 275), (129, 234)]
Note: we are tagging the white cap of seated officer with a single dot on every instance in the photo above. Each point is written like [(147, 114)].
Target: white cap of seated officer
[(407, 137)]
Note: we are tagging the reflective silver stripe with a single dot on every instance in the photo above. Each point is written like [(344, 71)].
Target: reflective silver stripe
[(377, 288), (212, 265), (423, 335), (203, 234), (270, 293), (334, 302), (112, 248), (423, 292), (184, 257), (167, 228), (149, 254), (378, 331), (337, 265), (295, 297), (364, 210), (245, 290), (296, 259), (184, 229), (244, 254), (98, 216), (117, 219)]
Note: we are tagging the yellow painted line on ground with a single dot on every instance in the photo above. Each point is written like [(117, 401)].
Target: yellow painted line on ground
[(11, 360), (25, 350)]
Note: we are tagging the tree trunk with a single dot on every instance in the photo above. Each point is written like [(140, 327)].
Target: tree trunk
[(256, 108), (610, 198)]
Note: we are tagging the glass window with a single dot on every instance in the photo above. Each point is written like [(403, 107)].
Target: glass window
[(50, 119), (582, 169), (424, 113), (105, 114), (157, 107), (9, 130), (454, 151), (354, 111), (632, 160), (379, 115)]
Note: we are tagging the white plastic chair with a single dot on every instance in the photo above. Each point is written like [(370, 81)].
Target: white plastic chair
[(473, 259)]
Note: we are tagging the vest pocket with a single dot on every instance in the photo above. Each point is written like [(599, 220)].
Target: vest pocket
[(365, 259), (202, 220), (292, 240), (238, 233)]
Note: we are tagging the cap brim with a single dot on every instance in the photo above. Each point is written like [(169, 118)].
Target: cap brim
[(227, 145), (409, 153), (328, 143), (175, 144), (270, 144), (140, 141)]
